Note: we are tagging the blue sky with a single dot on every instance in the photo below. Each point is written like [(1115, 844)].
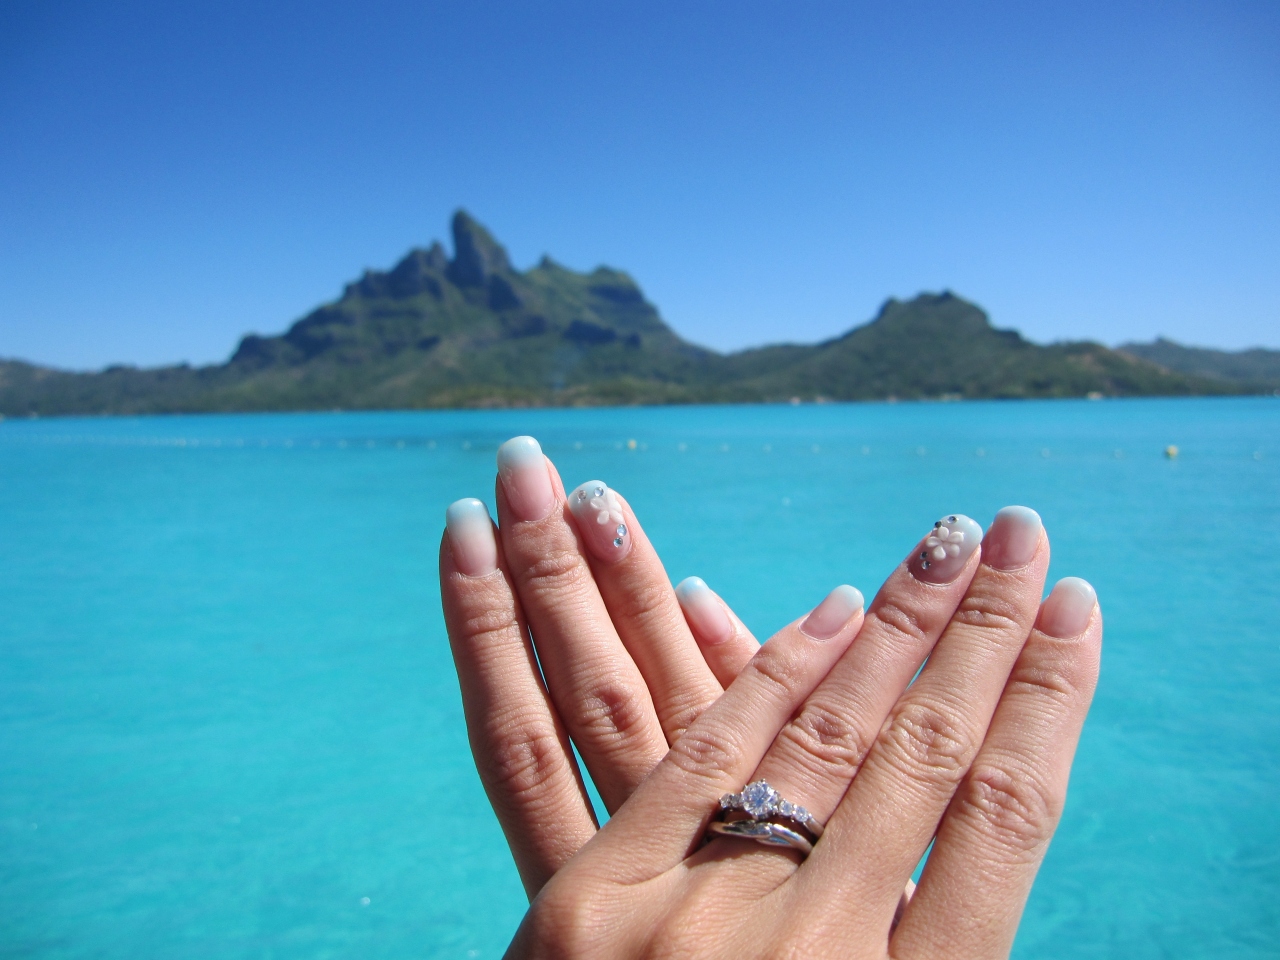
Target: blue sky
[(175, 175)]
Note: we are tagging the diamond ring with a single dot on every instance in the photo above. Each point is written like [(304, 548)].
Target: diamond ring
[(759, 801), (760, 813)]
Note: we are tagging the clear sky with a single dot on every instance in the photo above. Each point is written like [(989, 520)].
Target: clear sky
[(173, 175)]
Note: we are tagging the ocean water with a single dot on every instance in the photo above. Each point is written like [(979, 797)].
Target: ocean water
[(229, 724)]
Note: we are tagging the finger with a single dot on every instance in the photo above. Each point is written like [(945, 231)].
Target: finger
[(724, 744), (520, 747), (891, 810), (997, 829), (643, 607), (596, 687), (818, 752), (724, 640)]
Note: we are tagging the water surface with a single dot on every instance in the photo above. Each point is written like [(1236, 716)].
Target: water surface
[(229, 723)]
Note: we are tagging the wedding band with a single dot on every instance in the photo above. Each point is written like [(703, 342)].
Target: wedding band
[(772, 834), (755, 814)]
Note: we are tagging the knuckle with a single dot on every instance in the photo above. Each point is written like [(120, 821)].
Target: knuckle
[(901, 623), (569, 922), (611, 708), (991, 610), (779, 671), (1012, 808), (1063, 672), (706, 754), (823, 737), (1047, 681), (553, 569), (643, 601), (928, 744), (490, 624), (523, 761), (681, 711), (685, 932)]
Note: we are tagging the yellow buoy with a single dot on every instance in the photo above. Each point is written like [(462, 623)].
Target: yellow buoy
[(631, 444), (1171, 452)]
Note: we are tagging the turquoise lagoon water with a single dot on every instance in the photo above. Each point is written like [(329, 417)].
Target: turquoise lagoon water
[(229, 725)]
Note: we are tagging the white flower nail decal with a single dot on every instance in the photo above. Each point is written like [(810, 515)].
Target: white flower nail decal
[(606, 506), (943, 542)]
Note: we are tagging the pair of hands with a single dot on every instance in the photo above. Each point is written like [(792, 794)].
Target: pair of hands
[(564, 627)]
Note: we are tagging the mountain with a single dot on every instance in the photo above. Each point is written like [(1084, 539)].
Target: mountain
[(938, 345), (472, 330), (1253, 370)]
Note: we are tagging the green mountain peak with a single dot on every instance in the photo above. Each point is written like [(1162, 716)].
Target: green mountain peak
[(477, 255), (472, 330)]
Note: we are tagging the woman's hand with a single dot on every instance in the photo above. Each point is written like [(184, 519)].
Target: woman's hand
[(973, 755), (625, 671)]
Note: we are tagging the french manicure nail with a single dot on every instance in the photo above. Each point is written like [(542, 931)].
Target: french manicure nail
[(1013, 538), (601, 521), (833, 613), (709, 621), (525, 478), (475, 552), (1069, 608), (943, 553)]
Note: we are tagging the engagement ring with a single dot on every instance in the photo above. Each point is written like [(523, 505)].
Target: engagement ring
[(759, 813)]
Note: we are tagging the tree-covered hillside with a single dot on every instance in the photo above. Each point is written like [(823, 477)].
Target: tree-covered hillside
[(472, 330), (1256, 370)]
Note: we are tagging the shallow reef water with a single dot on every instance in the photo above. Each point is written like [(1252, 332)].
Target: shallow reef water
[(229, 723)]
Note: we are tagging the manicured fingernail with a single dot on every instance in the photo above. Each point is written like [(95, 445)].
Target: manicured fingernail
[(703, 611), (943, 553), (833, 613), (601, 522), (475, 552), (1012, 540), (1068, 609), (525, 478)]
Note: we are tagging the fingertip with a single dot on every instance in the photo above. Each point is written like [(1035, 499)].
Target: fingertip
[(522, 469), (831, 615), (943, 554), (702, 609), (1013, 539), (471, 540), (1068, 609), (598, 512)]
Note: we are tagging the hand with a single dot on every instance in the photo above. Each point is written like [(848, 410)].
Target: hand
[(974, 755), (625, 672)]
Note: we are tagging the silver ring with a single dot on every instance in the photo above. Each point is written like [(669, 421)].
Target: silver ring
[(759, 801), (763, 831)]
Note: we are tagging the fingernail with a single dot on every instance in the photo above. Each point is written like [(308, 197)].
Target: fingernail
[(1067, 611), (833, 613), (475, 552), (525, 478), (943, 553), (598, 512), (1012, 540), (703, 611)]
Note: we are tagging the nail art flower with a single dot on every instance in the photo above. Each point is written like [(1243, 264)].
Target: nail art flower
[(943, 542), (608, 510)]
